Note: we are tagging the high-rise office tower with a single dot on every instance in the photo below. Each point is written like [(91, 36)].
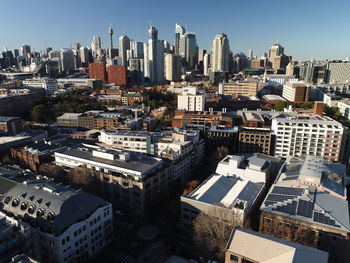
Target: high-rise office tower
[(137, 49), (76, 46), (96, 46), (274, 51), (67, 60), (220, 53), (250, 53), (25, 50), (124, 45), (110, 32), (146, 63), (206, 64), (84, 56), (201, 53), (172, 67), (155, 56), (16, 52), (188, 50), (179, 31)]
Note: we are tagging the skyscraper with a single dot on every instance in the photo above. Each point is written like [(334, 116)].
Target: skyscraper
[(124, 45), (179, 31), (250, 53), (206, 64), (275, 50), (25, 50), (188, 50), (67, 60), (84, 55), (155, 56), (172, 67), (136, 48), (96, 46), (220, 53)]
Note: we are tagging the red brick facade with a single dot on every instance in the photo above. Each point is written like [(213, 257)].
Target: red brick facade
[(118, 75), (97, 71)]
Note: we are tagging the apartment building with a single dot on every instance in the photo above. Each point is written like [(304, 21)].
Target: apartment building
[(191, 100), (308, 134), (64, 224), (130, 181), (15, 102), (255, 140), (247, 88), (183, 148)]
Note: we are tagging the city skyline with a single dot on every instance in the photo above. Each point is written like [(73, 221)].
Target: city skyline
[(297, 29)]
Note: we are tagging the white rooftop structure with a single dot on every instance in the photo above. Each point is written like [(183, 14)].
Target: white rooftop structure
[(271, 250)]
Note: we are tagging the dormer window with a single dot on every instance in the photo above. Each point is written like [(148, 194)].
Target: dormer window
[(7, 199), (15, 202), (41, 212), (50, 216), (24, 206), (31, 209)]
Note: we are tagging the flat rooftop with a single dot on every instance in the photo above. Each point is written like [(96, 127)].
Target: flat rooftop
[(224, 191), (137, 162)]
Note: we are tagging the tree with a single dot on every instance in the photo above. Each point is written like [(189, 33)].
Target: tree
[(212, 231), (82, 177), (53, 171), (42, 113)]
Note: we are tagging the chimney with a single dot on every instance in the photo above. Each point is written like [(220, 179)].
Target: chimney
[(318, 108)]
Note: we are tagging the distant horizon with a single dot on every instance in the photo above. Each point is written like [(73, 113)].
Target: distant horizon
[(299, 27)]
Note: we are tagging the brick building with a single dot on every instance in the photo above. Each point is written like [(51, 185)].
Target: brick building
[(97, 71), (118, 75)]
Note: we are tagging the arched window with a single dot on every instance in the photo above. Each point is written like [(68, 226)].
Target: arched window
[(24, 206), (31, 209), (15, 202)]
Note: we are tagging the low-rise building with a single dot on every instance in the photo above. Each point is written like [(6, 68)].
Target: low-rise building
[(202, 119), (307, 204), (255, 140), (10, 125), (268, 249), (48, 84), (233, 192), (344, 108), (68, 120), (191, 100), (247, 88), (131, 181), (297, 91), (64, 224), (18, 101), (80, 82)]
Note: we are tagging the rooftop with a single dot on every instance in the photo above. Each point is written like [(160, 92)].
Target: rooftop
[(308, 204), (5, 118), (270, 249), (60, 206), (137, 162), (225, 191)]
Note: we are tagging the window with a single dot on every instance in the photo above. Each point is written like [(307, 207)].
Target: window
[(233, 258)]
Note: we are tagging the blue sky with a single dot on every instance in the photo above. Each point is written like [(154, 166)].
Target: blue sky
[(306, 28)]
